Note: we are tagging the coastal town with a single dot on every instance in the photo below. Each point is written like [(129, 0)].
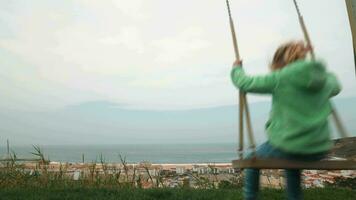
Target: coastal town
[(209, 175)]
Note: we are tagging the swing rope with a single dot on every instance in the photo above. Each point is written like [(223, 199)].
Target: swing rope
[(243, 104), (339, 125), (304, 29)]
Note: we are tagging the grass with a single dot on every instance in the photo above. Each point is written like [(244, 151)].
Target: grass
[(169, 194), (124, 183)]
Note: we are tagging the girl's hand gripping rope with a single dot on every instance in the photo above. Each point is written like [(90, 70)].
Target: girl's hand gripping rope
[(237, 63)]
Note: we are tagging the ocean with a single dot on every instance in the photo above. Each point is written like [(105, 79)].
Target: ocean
[(134, 153)]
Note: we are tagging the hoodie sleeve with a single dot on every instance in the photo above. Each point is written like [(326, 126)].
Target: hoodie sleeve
[(334, 84), (255, 84)]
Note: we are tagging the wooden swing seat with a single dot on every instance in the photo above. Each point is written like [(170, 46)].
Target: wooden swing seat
[(287, 164)]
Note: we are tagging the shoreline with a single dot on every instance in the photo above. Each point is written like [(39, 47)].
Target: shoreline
[(222, 164), (138, 163)]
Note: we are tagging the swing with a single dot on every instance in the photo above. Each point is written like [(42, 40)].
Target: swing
[(272, 163)]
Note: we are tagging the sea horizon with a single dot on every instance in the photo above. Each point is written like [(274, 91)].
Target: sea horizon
[(168, 153)]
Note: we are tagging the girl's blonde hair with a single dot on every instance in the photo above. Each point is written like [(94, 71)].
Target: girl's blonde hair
[(288, 53)]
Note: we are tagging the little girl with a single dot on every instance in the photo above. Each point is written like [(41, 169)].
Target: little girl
[(298, 124)]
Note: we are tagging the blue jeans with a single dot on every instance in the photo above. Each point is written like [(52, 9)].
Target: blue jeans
[(293, 176)]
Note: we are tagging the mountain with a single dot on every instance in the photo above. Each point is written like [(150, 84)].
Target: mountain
[(108, 123)]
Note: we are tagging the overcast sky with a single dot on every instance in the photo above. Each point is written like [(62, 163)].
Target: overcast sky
[(154, 54)]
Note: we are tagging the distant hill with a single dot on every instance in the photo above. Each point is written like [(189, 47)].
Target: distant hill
[(109, 123)]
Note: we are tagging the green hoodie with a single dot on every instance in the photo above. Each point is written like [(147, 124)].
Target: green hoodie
[(300, 91)]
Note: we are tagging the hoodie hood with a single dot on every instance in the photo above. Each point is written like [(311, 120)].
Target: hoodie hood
[(310, 75)]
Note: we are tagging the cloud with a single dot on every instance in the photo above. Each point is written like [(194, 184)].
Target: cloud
[(129, 37), (153, 54), (180, 46), (132, 8)]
